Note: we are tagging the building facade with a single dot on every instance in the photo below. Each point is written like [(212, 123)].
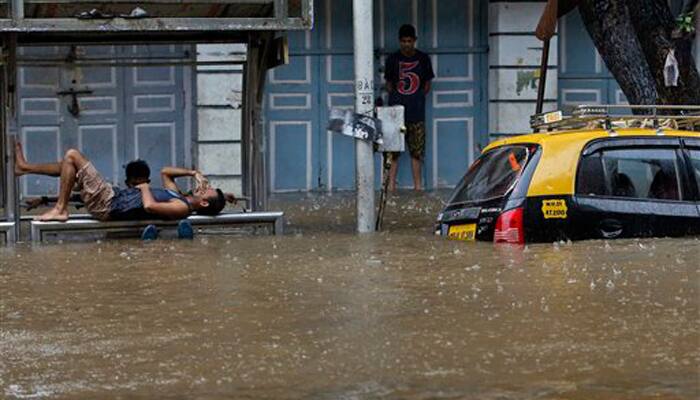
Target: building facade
[(485, 56)]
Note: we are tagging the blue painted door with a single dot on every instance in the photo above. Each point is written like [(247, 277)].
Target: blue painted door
[(304, 156), (122, 113), (583, 78), (291, 108)]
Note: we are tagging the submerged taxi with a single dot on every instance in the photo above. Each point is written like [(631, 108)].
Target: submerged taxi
[(599, 183)]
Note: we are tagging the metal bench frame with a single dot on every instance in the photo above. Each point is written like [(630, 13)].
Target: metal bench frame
[(39, 228), (7, 229)]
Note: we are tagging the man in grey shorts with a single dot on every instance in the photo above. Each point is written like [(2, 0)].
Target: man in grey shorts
[(107, 203)]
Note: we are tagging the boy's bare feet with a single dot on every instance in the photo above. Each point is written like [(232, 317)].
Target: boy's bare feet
[(20, 161), (53, 215)]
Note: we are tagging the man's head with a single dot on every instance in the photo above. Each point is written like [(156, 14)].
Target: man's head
[(137, 172), (407, 39), (208, 202)]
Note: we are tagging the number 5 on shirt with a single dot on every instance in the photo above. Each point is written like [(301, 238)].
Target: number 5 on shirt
[(409, 87)]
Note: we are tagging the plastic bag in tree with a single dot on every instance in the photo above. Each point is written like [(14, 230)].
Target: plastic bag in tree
[(671, 69)]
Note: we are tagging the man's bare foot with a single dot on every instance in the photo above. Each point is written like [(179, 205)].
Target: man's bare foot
[(20, 161), (53, 215)]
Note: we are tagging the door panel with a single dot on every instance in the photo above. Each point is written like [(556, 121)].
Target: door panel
[(155, 110), (117, 114), (615, 218), (338, 90), (291, 109)]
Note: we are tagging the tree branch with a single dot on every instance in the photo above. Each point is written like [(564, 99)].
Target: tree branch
[(654, 24)]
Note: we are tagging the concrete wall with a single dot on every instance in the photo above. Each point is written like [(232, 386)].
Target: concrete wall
[(514, 60), (217, 144)]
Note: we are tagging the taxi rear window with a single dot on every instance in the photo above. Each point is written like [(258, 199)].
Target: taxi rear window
[(492, 175)]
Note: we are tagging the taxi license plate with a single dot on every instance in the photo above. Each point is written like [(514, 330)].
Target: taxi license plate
[(462, 232)]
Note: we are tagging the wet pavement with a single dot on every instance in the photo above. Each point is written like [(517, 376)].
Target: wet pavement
[(321, 313)]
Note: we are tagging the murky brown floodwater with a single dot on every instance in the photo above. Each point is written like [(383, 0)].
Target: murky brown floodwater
[(321, 313)]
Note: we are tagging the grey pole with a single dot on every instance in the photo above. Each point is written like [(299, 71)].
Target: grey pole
[(364, 104), (17, 9), (11, 190), (10, 131)]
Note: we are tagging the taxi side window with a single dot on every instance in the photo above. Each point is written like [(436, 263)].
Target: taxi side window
[(695, 164), (591, 179), (632, 173)]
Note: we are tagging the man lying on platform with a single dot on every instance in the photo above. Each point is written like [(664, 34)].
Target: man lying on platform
[(105, 202), (136, 171)]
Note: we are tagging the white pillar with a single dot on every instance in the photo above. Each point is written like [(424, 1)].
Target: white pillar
[(364, 103), (514, 62)]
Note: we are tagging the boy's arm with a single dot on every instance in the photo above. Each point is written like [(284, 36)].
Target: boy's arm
[(389, 74), (172, 209), (429, 75), (426, 87)]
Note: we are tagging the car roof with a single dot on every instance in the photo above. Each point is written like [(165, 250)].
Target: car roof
[(585, 136), (556, 170)]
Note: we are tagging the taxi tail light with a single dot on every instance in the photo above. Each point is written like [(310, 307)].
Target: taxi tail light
[(509, 227)]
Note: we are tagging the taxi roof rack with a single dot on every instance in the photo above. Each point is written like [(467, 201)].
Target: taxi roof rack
[(603, 116)]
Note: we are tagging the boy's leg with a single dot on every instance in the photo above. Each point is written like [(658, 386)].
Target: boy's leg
[(416, 168), (415, 138), (393, 170), (22, 167), (72, 163)]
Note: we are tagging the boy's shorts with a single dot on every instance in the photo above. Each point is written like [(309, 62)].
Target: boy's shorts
[(415, 140), (96, 193)]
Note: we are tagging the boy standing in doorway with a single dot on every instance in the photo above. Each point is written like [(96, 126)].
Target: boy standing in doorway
[(408, 73)]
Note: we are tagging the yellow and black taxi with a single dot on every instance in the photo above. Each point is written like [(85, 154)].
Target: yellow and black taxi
[(599, 183)]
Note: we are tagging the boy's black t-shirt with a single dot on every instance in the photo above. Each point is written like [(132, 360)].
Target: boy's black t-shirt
[(408, 76)]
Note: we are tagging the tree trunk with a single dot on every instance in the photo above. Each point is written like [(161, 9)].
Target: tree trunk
[(634, 37), (654, 24), (610, 26)]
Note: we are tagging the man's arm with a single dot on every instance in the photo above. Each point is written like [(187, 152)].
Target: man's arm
[(426, 87), (168, 175), (172, 209)]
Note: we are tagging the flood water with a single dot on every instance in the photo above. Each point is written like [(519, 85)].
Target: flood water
[(324, 314)]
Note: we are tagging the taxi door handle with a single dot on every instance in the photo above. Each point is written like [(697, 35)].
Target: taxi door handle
[(610, 228)]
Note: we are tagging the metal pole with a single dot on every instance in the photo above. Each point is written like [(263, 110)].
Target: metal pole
[(364, 93), (10, 131), (11, 200), (17, 9), (543, 77)]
